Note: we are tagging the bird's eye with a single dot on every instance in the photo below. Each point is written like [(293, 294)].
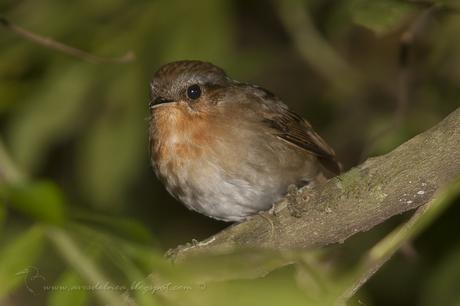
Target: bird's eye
[(194, 92)]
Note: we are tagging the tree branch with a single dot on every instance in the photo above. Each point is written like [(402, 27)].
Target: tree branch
[(384, 250), (356, 201)]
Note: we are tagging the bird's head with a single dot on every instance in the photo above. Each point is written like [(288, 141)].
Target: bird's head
[(191, 85)]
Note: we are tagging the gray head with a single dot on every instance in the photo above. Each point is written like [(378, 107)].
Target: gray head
[(185, 80)]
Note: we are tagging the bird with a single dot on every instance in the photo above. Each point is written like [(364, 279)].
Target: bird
[(228, 149)]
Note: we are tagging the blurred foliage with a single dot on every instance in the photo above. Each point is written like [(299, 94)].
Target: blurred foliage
[(68, 279), (42, 201), (441, 287), (371, 16), (80, 208), (18, 256)]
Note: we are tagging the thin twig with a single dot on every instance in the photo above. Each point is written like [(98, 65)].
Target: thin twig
[(415, 30), (404, 77), (85, 266), (314, 49), (69, 50)]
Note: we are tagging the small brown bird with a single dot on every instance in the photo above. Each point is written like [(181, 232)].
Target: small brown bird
[(227, 149)]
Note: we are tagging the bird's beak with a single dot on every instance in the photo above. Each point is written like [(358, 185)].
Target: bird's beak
[(159, 101)]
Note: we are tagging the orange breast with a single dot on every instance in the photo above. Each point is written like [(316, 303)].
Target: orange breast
[(180, 136)]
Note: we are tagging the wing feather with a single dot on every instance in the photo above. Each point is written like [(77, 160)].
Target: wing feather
[(287, 125), (292, 128), (297, 131)]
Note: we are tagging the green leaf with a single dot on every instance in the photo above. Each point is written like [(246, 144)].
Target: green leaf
[(277, 288), (49, 114), (125, 254), (84, 264), (40, 200), (17, 257), (138, 278), (146, 258), (68, 290), (123, 227), (380, 16)]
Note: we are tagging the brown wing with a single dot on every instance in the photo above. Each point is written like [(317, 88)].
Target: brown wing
[(297, 131), (289, 126)]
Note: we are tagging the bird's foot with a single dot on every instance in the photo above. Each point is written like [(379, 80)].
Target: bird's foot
[(275, 209), (266, 215), (272, 210), (172, 253), (295, 204)]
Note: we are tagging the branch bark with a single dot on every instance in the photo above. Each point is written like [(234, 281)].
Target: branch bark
[(356, 201)]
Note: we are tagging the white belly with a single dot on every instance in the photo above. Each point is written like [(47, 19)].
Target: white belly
[(208, 189)]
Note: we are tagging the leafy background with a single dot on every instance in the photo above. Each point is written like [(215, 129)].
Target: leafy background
[(79, 204)]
